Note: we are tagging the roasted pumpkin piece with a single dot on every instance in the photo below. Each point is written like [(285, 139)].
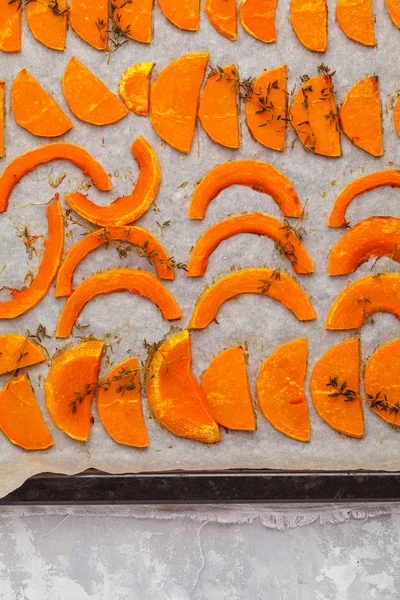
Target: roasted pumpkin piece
[(394, 10), (184, 14), (17, 351), (266, 110), (10, 26), (34, 109), (364, 297), (226, 387), (356, 20), (397, 116), (21, 419), (48, 22), (134, 87), (335, 388), (2, 117), (258, 175), (290, 245), (175, 397), (280, 390), (309, 19), (124, 209), (258, 19), (135, 19), (119, 404), (381, 382), (222, 15), (24, 300), (88, 98), (266, 282), (70, 386), (360, 116), (174, 99), (89, 19)]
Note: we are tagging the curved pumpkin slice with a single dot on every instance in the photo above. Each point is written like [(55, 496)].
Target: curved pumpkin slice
[(364, 297), (222, 15), (17, 351), (20, 417), (260, 176), (266, 110), (88, 98), (309, 20), (227, 390), (48, 22), (32, 295), (174, 395), (280, 390), (360, 116), (315, 118), (374, 237), (119, 404), (174, 99), (341, 408), (258, 19), (394, 11), (255, 223), (184, 14), (135, 18), (356, 20), (10, 26), (25, 163), (134, 87), (89, 19), (34, 109), (70, 386), (381, 382), (117, 280), (125, 209), (252, 281)]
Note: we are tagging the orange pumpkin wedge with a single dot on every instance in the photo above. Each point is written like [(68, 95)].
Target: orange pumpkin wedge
[(280, 390), (88, 98), (260, 176), (176, 399), (174, 99), (89, 19), (373, 237), (394, 10), (2, 117), (255, 223), (258, 19), (314, 117), (381, 382), (70, 386), (360, 116), (117, 280), (266, 110), (364, 297), (222, 15), (397, 116), (184, 14), (17, 351), (119, 405), (218, 110), (48, 22), (25, 163), (356, 20), (10, 26), (34, 109), (21, 419), (125, 209), (340, 408), (309, 19), (26, 300), (135, 18), (134, 87), (226, 387), (252, 281)]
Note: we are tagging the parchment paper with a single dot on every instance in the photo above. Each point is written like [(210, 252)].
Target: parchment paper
[(259, 324)]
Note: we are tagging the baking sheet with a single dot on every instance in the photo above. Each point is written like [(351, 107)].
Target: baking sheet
[(259, 324)]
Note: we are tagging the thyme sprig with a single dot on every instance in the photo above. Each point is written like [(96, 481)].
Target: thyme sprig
[(54, 5), (243, 86), (117, 36), (380, 402), (340, 389)]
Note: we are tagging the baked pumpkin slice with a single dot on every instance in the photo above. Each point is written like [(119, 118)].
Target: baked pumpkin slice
[(70, 386), (372, 238), (134, 87), (222, 15), (260, 176), (289, 244), (266, 282), (258, 19), (394, 11), (356, 20), (117, 280), (48, 22), (27, 299), (184, 14), (335, 388), (125, 209), (89, 19), (381, 382), (21, 419), (309, 19), (280, 390), (134, 18), (17, 351), (10, 26), (175, 397), (119, 404), (226, 387), (364, 297), (397, 116), (34, 109)]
